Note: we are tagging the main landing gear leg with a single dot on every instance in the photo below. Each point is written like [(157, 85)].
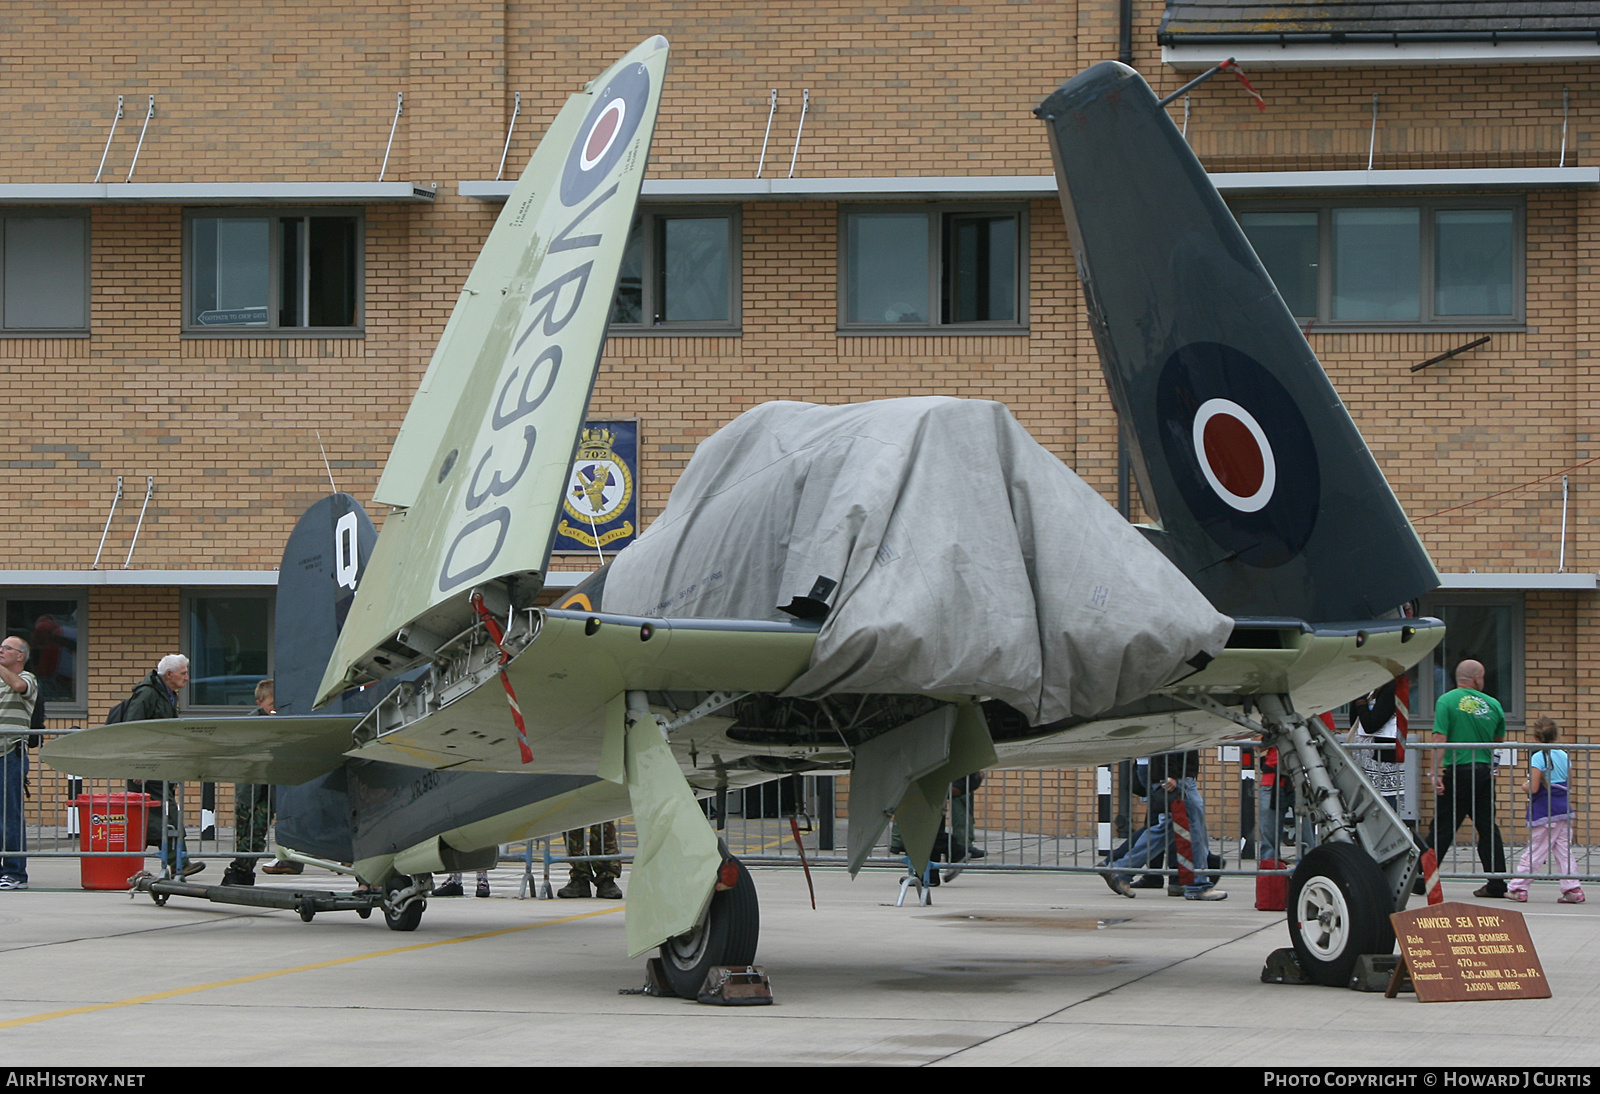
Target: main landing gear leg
[(1342, 893)]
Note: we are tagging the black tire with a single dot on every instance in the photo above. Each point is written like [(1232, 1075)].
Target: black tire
[(407, 920), (726, 936), (160, 899), (1338, 910), (365, 912), (307, 910)]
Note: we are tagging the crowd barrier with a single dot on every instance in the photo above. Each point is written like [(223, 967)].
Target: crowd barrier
[(1065, 820)]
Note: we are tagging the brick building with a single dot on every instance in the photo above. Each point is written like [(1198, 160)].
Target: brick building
[(250, 263)]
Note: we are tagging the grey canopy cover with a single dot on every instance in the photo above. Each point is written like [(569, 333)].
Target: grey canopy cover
[(956, 555)]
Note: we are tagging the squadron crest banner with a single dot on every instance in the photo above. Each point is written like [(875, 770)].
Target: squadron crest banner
[(600, 508)]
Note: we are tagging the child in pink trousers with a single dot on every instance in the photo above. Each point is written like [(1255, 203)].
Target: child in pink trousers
[(1549, 819)]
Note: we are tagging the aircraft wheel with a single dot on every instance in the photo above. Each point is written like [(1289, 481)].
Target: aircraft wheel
[(408, 919), (726, 935), (1337, 912)]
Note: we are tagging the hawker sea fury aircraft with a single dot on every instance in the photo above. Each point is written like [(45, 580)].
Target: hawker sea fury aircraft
[(909, 591)]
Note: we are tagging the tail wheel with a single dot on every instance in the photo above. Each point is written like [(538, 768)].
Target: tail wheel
[(726, 935), (1338, 910), (410, 916)]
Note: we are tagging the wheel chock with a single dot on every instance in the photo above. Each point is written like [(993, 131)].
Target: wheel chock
[(655, 980), (1376, 972), (736, 986), (1283, 968)]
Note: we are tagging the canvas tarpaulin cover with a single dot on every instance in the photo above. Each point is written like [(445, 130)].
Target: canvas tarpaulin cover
[(952, 553)]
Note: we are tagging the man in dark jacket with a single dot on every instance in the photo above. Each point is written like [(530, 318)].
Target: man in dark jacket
[(156, 696)]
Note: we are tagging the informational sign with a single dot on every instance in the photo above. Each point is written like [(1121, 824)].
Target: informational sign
[(1457, 951), (600, 509)]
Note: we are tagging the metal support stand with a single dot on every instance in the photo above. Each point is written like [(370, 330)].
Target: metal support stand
[(772, 108), (109, 138), (399, 108), (515, 110), (805, 105), (114, 501), (149, 113), (149, 492)]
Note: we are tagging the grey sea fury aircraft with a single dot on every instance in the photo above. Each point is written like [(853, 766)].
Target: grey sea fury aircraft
[(908, 591)]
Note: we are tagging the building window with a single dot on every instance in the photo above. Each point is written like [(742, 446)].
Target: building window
[(680, 271), (1443, 263), (932, 267), (53, 626), (273, 271), (44, 278), (1486, 627), (228, 637)]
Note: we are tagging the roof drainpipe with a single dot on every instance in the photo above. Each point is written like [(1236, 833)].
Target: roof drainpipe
[(1125, 32)]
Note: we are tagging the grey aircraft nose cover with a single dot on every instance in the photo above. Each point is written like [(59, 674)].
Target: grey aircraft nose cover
[(947, 551)]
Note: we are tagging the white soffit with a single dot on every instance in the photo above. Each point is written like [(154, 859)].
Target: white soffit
[(62, 579), (1020, 187), (1579, 582), (1269, 54), (212, 193)]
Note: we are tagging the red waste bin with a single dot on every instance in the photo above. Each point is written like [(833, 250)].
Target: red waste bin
[(112, 822)]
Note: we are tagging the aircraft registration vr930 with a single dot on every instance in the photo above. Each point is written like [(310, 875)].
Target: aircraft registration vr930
[(909, 591)]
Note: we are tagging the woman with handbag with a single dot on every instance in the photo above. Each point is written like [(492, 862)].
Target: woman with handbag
[(1549, 818)]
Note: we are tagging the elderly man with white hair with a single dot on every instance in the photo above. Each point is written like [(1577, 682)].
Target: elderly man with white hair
[(156, 696)]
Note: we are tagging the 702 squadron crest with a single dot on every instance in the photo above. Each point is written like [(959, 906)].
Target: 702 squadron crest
[(599, 499)]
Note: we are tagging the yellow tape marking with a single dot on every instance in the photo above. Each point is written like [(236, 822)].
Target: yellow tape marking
[(90, 1009)]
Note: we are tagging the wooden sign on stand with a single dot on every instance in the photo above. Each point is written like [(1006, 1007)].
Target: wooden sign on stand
[(1459, 951)]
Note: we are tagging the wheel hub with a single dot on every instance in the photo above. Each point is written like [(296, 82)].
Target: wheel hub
[(1324, 918)]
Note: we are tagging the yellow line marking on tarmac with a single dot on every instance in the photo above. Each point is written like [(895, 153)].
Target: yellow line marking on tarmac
[(192, 989)]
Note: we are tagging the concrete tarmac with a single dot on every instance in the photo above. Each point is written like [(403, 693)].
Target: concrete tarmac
[(1002, 969)]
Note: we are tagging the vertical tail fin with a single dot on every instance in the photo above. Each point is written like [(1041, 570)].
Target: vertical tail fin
[(480, 464), (1266, 495)]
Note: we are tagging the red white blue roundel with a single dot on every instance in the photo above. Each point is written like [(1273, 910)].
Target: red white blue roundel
[(1240, 452), (1234, 454), (605, 133)]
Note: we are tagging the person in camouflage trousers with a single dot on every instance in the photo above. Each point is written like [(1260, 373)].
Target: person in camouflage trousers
[(602, 841), (252, 809)]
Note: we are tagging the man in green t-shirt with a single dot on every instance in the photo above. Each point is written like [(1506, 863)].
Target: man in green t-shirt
[(1466, 787)]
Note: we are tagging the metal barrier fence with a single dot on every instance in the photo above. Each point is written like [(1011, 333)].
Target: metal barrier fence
[(1064, 820)]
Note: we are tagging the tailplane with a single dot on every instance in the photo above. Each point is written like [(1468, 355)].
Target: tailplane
[(1264, 492)]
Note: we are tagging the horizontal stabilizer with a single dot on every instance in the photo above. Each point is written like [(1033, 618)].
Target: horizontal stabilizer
[(282, 750)]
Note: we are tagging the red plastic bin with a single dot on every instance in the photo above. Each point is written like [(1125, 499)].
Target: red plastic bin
[(112, 822)]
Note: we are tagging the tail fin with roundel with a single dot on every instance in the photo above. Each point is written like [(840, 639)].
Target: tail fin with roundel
[(1264, 493)]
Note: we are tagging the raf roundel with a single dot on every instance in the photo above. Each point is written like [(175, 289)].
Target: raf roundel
[(1234, 454), (1240, 452), (605, 133)]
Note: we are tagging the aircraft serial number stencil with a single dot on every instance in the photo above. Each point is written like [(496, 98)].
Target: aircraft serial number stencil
[(1459, 951)]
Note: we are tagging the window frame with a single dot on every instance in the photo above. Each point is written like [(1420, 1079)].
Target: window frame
[(274, 273), (188, 639), (1427, 243), (79, 707), (651, 218), (939, 214), (50, 213), (1426, 693)]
